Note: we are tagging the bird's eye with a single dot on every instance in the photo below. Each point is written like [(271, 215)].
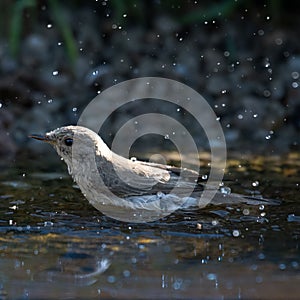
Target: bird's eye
[(68, 142)]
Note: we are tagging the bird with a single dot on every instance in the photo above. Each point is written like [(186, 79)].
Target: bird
[(139, 190)]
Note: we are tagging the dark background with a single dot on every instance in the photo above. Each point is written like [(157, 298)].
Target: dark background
[(242, 56)]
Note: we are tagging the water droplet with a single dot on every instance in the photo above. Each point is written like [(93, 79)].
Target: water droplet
[(199, 226), (261, 207), (211, 276), (159, 195), (255, 115), (295, 85), (214, 222), (133, 159), (295, 264), (255, 183), (124, 15), (295, 75), (111, 279), (240, 117), (0, 105), (278, 41), (49, 26), (225, 190), (50, 101), (267, 93), (268, 137), (226, 53), (177, 284), (55, 73), (246, 212), (204, 177), (48, 223), (235, 233), (167, 137), (59, 43), (253, 267), (95, 73), (134, 260), (74, 109), (282, 266)]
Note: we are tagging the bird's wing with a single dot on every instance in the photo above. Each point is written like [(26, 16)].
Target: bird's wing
[(132, 178), (163, 178), (174, 172)]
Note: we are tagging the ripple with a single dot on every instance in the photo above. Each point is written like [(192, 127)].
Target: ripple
[(16, 184)]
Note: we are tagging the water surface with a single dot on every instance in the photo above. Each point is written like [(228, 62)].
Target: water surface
[(54, 245)]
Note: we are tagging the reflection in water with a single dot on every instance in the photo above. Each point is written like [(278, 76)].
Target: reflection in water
[(78, 268), (53, 244)]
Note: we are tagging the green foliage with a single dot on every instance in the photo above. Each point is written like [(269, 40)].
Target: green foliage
[(17, 21), (65, 31), (222, 9), (16, 24), (136, 9)]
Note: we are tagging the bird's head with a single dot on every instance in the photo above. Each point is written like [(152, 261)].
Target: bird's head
[(73, 140)]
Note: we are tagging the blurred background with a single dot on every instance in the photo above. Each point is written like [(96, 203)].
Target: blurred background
[(243, 56)]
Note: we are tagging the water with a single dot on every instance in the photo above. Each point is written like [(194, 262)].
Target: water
[(53, 244)]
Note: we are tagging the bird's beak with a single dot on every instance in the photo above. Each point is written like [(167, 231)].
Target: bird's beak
[(39, 137)]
